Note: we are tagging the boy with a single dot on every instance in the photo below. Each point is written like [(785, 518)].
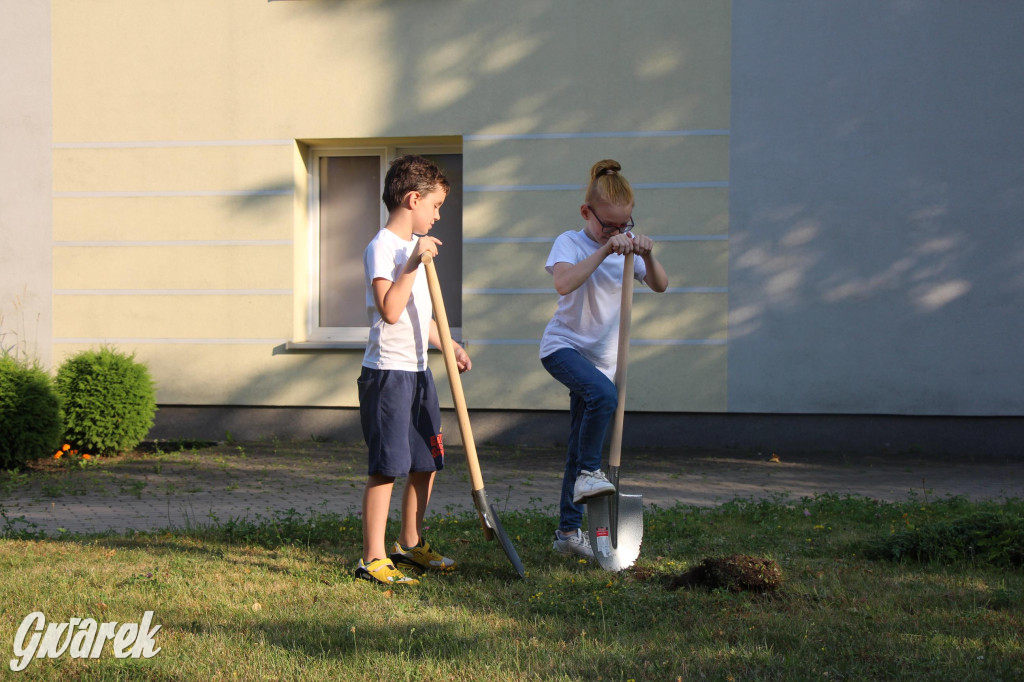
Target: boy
[(398, 404)]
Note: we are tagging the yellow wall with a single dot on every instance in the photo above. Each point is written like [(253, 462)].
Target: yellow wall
[(147, 70), (179, 219)]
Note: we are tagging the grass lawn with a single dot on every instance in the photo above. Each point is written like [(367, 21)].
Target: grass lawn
[(274, 598)]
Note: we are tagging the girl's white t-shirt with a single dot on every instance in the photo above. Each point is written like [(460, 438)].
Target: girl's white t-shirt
[(587, 319), (402, 345)]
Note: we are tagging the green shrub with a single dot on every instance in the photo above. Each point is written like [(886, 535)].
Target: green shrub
[(109, 401), (982, 538), (30, 421)]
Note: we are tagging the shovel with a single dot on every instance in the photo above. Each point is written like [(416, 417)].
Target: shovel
[(615, 523), (488, 514)]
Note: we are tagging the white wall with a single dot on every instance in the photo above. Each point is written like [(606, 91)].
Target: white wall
[(877, 207), (25, 176)]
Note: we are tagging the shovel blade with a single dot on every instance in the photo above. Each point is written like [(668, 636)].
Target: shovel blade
[(615, 524), (491, 522)]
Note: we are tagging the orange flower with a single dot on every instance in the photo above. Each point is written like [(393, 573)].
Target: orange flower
[(86, 456), (59, 453), (66, 447)]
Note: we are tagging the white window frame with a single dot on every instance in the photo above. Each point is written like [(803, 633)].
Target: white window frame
[(351, 337)]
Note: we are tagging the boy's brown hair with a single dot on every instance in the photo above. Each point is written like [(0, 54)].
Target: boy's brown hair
[(411, 173)]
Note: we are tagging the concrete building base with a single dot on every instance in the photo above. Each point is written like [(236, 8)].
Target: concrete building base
[(867, 434)]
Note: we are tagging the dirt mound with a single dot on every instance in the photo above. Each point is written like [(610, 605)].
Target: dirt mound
[(737, 573)]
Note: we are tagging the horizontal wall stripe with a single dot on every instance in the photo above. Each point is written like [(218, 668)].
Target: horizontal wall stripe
[(521, 188), (501, 342), (172, 292), (690, 238), (171, 143), (487, 292), (552, 292), (508, 240), (278, 341), (678, 342), (499, 137), (687, 290), (550, 240), (557, 188), (680, 185), (289, 292), (186, 193), (632, 342), (480, 137), (169, 341), (171, 243)]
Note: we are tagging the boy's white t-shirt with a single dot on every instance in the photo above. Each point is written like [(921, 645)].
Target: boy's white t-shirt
[(402, 345), (587, 319)]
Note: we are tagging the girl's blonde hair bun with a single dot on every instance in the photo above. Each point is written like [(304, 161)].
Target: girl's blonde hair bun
[(607, 184)]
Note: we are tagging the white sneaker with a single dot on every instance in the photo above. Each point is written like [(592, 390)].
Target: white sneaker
[(591, 484), (577, 543)]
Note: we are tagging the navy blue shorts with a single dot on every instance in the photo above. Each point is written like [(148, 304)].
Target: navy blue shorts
[(401, 421)]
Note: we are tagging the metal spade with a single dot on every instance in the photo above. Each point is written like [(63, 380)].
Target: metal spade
[(488, 514), (615, 523)]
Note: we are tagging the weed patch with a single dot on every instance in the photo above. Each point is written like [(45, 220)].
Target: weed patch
[(985, 538)]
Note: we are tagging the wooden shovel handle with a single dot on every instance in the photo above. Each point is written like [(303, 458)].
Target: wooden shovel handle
[(452, 367), (625, 314)]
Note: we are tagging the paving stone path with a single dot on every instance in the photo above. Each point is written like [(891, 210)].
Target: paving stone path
[(198, 486)]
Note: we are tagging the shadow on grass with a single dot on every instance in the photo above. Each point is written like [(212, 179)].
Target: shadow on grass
[(300, 563)]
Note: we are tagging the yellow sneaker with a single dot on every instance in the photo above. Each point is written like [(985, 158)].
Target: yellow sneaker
[(420, 558), (384, 572)]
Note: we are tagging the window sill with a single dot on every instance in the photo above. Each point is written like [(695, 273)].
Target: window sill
[(320, 346), (303, 346)]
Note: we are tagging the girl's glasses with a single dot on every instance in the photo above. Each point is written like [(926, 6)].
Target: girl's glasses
[(611, 229)]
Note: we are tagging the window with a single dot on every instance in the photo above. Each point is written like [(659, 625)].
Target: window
[(345, 212)]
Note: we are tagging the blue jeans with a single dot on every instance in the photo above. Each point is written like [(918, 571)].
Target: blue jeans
[(592, 402)]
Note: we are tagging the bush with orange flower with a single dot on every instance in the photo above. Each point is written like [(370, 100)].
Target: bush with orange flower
[(67, 456), (108, 398)]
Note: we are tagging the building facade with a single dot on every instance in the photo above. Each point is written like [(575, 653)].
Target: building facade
[(836, 193)]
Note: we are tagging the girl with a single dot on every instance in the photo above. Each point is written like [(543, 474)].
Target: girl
[(580, 342)]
